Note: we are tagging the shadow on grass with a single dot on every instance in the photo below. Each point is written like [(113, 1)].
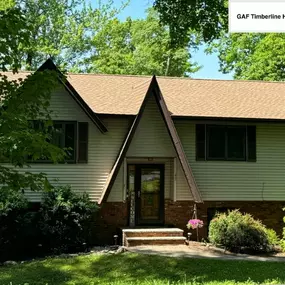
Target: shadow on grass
[(35, 272), (139, 269), (132, 267)]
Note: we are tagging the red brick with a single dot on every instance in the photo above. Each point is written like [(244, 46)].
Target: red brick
[(114, 215)]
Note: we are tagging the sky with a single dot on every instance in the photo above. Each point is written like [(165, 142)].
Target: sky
[(210, 64)]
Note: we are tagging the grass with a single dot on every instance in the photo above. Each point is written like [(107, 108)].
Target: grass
[(138, 269)]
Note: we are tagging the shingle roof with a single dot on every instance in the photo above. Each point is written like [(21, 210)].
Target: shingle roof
[(153, 90), (122, 94)]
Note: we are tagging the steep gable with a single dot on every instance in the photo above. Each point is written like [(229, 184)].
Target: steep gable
[(151, 137), (152, 92)]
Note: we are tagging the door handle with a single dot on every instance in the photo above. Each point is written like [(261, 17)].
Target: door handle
[(139, 194)]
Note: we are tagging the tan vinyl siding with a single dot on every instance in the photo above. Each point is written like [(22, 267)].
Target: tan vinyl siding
[(237, 180), (117, 191), (151, 138), (182, 188), (102, 150)]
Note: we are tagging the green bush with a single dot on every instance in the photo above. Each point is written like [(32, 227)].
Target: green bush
[(272, 237), (15, 220), (59, 224), (282, 241), (236, 231), (64, 220)]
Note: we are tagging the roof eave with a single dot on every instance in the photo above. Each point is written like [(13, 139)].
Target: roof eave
[(175, 140), (49, 65)]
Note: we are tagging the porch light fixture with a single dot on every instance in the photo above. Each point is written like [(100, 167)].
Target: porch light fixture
[(189, 236)]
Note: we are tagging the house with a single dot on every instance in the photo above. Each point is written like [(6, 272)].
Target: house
[(152, 150)]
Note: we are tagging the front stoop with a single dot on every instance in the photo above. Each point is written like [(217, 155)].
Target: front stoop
[(152, 236)]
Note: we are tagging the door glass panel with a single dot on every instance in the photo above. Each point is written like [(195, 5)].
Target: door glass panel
[(150, 193), (131, 178), (131, 193)]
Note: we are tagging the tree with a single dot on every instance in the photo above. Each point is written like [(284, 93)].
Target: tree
[(21, 102), (60, 29), (138, 47), (253, 56), (14, 32), (207, 17)]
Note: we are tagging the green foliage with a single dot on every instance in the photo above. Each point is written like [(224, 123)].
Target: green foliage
[(253, 56), (13, 222), (272, 237), (206, 17), (282, 241), (4, 5), (20, 144), (61, 29), (60, 224), (22, 101), (139, 47), (15, 32), (236, 231), (65, 219)]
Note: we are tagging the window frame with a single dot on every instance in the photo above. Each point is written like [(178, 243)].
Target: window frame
[(226, 157), (208, 142), (69, 161), (79, 142), (75, 124)]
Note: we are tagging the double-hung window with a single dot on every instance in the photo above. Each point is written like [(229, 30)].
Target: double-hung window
[(71, 136), (220, 142)]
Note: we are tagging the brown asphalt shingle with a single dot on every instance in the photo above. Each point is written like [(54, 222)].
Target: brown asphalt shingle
[(122, 94)]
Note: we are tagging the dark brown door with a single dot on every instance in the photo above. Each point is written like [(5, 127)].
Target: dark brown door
[(149, 194)]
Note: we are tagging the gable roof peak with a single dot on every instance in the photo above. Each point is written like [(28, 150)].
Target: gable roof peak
[(50, 65), (153, 90)]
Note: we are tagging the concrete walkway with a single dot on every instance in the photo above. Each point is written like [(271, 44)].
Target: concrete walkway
[(193, 252)]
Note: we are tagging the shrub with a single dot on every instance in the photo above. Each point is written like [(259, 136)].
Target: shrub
[(282, 241), (272, 237), (14, 220), (236, 231), (65, 219)]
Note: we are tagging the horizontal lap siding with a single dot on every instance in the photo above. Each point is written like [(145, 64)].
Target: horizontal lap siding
[(117, 191), (237, 180), (151, 138), (102, 150), (182, 188)]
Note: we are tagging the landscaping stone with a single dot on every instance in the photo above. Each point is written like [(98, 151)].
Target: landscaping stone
[(121, 249), (9, 262)]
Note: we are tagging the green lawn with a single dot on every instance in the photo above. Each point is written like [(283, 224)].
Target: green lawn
[(141, 269)]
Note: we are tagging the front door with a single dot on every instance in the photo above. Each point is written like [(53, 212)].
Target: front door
[(149, 192)]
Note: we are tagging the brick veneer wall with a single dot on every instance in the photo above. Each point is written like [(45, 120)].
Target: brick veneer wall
[(114, 215), (108, 220), (269, 212)]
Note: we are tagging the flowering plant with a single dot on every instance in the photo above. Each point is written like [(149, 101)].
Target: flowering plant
[(194, 224)]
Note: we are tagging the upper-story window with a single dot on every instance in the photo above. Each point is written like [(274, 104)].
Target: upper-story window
[(71, 136), (219, 142)]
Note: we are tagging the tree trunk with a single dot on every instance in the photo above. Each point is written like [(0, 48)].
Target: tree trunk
[(168, 65)]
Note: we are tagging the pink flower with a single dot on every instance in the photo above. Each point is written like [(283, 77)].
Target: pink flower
[(194, 224)]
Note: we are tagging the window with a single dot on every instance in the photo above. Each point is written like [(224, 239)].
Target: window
[(71, 136), (64, 136), (82, 142), (218, 142)]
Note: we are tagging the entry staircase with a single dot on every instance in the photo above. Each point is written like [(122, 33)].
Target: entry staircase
[(152, 236)]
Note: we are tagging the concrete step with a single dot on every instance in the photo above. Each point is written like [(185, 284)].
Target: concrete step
[(153, 232), (136, 241)]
